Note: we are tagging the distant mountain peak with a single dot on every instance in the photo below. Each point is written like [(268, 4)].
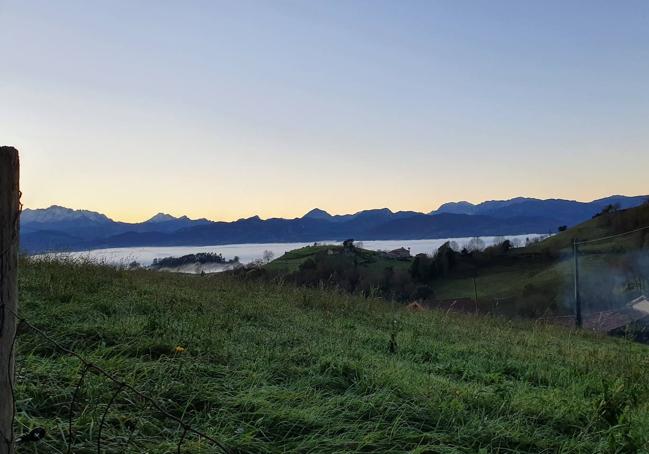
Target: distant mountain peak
[(254, 218), (374, 212), (161, 217), (464, 207), (461, 207), (58, 228), (463, 203), (56, 213), (317, 213)]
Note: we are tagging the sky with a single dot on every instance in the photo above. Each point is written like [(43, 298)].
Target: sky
[(231, 109)]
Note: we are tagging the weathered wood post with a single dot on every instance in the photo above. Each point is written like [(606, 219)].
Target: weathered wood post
[(9, 225)]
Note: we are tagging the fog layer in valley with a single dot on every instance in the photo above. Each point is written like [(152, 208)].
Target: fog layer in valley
[(250, 252)]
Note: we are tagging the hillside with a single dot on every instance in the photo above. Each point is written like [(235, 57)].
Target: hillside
[(273, 367), (530, 281), (292, 260), (543, 271), (613, 223)]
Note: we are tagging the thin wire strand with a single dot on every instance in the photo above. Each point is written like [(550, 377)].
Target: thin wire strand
[(182, 439), (612, 236), (82, 376), (52, 448), (103, 418), (121, 383)]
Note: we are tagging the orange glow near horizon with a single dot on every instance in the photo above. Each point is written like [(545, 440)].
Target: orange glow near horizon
[(279, 108)]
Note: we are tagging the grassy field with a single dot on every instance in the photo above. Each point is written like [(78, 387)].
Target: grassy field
[(270, 368), (291, 260), (530, 281), (601, 286), (503, 283), (374, 261)]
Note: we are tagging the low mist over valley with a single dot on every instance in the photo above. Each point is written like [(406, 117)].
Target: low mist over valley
[(324, 227), (62, 229)]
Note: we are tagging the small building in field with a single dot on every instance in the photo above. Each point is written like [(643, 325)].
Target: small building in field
[(399, 254), (630, 321)]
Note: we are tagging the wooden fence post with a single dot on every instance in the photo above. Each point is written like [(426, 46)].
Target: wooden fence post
[(9, 226)]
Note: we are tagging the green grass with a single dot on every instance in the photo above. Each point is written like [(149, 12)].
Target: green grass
[(291, 260), (272, 368), (555, 277), (602, 226), (374, 261), (601, 284), (500, 281)]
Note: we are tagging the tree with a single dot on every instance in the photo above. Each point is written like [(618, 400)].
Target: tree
[(268, 256), (444, 260), (475, 244), (420, 269), (608, 209), (563, 228), (256, 263), (504, 246)]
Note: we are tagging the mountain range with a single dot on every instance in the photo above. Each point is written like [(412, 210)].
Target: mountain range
[(63, 229)]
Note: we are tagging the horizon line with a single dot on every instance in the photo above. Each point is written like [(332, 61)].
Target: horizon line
[(333, 214)]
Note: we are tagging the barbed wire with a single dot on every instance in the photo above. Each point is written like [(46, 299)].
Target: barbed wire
[(88, 366), (52, 448), (121, 385)]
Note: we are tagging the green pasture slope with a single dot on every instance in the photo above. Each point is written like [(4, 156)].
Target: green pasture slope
[(533, 279), (499, 281), (375, 261), (272, 368)]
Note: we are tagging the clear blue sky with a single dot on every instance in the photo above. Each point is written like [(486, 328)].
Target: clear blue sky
[(229, 109)]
